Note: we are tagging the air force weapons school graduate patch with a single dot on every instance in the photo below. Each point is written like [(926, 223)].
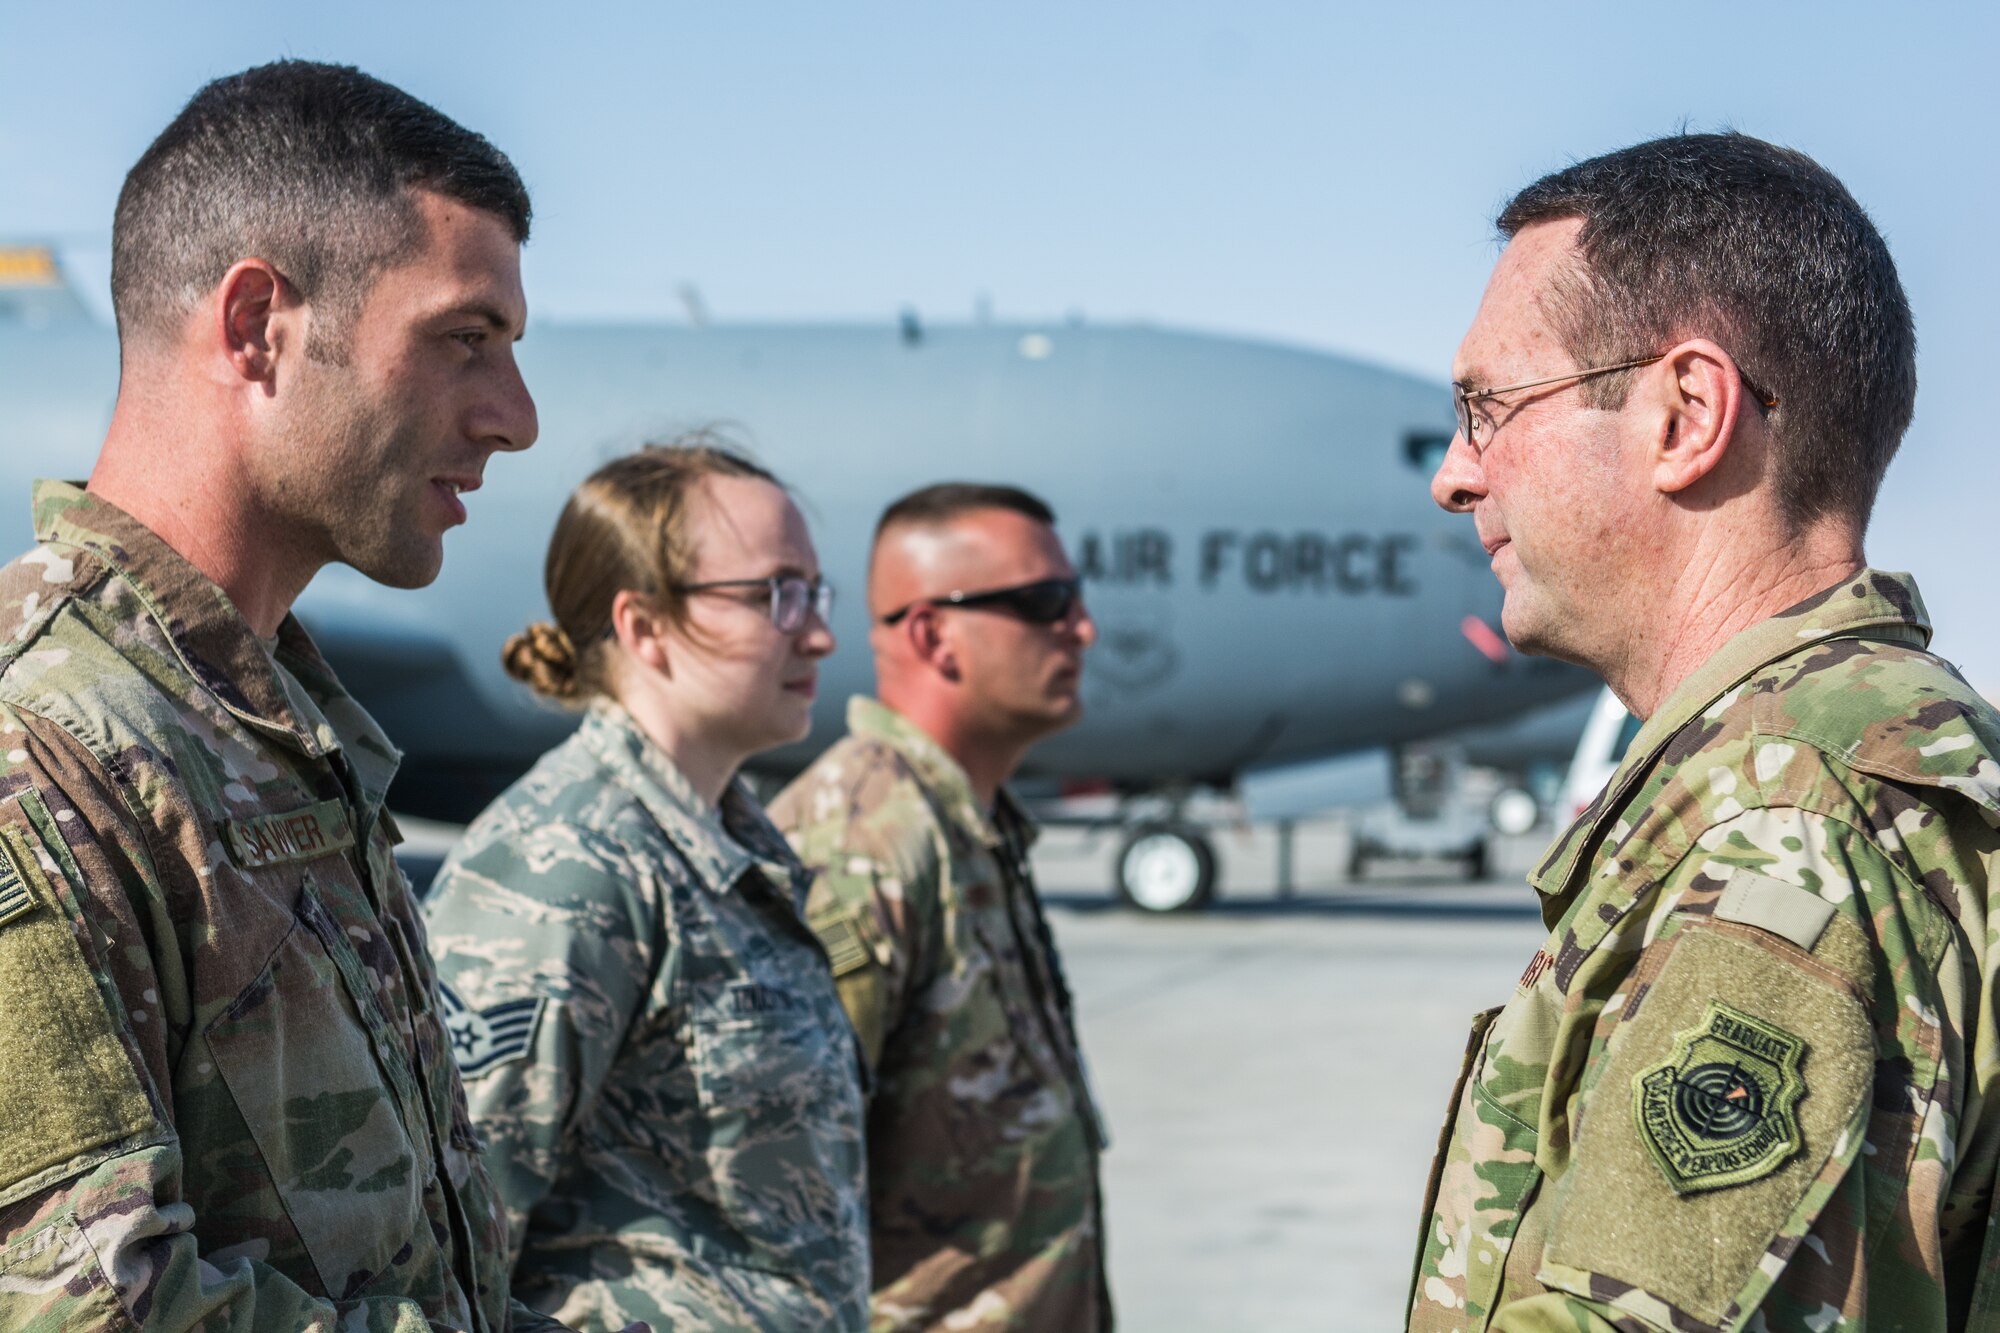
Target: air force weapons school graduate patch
[(1721, 1109), (482, 1039)]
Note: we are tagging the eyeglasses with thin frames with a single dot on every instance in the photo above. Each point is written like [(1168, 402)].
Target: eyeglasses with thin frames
[(793, 596), (1468, 424)]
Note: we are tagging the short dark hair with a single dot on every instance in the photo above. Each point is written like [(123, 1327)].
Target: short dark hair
[(306, 165), (946, 500), (1763, 250)]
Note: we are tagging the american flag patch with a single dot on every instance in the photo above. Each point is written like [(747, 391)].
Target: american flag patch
[(16, 898), (840, 935), (484, 1038)]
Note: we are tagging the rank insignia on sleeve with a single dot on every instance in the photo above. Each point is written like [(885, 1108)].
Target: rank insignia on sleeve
[(1722, 1109), (484, 1038)]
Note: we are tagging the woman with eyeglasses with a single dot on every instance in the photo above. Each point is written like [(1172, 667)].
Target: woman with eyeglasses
[(651, 1041)]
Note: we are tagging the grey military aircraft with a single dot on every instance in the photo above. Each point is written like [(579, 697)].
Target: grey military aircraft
[(1270, 579)]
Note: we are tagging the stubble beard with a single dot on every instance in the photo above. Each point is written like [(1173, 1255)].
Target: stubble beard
[(1542, 628), (349, 484), (1052, 713)]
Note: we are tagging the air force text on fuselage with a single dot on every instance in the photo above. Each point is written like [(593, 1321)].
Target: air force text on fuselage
[(1257, 560)]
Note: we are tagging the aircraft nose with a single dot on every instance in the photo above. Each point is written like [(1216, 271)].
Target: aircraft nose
[(1459, 482)]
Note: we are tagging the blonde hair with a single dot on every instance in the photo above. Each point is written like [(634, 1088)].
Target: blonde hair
[(625, 527)]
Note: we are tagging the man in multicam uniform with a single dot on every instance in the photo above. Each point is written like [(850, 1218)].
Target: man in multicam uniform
[(1749, 1081), (226, 1099), (649, 1033), (983, 1137)]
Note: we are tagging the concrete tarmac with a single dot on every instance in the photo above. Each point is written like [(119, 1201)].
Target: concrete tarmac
[(1275, 1074), (1274, 1070)]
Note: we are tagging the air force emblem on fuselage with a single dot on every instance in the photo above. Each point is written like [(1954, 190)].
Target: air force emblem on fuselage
[(482, 1039)]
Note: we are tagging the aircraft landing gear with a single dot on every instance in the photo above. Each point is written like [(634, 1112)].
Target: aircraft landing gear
[(1166, 867)]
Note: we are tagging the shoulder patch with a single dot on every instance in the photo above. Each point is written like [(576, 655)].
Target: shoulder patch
[(1721, 1109), (483, 1039)]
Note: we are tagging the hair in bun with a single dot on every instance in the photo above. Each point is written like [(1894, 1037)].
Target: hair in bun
[(626, 527), (542, 657)]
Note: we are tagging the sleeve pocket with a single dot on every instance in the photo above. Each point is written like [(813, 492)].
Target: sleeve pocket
[(1733, 1101), (52, 1278)]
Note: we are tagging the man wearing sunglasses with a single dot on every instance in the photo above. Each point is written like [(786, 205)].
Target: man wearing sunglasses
[(1750, 1080), (982, 1133)]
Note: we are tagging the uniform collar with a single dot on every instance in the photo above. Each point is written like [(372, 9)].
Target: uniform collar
[(215, 643), (938, 772), (722, 842), (1874, 604)]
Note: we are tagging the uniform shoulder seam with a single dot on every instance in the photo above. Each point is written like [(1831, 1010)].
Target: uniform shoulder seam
[(1846, 743), (46, 614), (109, 771), (1848, 820)]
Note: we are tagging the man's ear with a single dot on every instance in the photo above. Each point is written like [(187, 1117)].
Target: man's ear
[(640, 630), (1700, 400), (928, 639), (259, 317)]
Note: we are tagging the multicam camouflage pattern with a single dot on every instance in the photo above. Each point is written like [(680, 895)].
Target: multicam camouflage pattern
[(225, 1095), (1821, 759), (983, 1135), (677, 1134)]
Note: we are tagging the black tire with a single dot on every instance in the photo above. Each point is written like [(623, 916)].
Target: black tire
[(1479, 860), (1165, 868)]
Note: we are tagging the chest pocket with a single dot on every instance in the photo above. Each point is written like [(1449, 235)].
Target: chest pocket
[(1483, 1179), (316, 1076), (1024, 1022), (776, 1080)]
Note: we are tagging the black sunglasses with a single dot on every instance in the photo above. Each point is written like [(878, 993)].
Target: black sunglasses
[(1043, 602)]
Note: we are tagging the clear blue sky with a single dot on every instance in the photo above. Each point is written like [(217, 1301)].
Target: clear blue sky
[(1301, 172)]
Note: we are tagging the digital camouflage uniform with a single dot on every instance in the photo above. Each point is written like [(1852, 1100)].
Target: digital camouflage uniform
[(983, 1135), (1749, 1082), (653, 1046), (225, 1096)]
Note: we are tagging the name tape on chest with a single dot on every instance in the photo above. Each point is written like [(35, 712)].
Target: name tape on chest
[(1722, 1108), (263, 841), (753, 999), (483, 1039), (1540, 963)]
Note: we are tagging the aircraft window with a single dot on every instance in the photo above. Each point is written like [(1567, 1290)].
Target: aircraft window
[(1425, 449)]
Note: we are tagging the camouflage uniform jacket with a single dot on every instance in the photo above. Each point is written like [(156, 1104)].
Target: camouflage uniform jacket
[(226, 1100), (983, 1136), (653, 1046), (1750, 1080)]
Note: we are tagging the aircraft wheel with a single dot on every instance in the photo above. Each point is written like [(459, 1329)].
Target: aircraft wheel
[(1479, 861), (1166, 868)]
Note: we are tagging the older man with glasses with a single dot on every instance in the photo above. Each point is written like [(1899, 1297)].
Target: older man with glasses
[(1750, 1081), (983, 1139)]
